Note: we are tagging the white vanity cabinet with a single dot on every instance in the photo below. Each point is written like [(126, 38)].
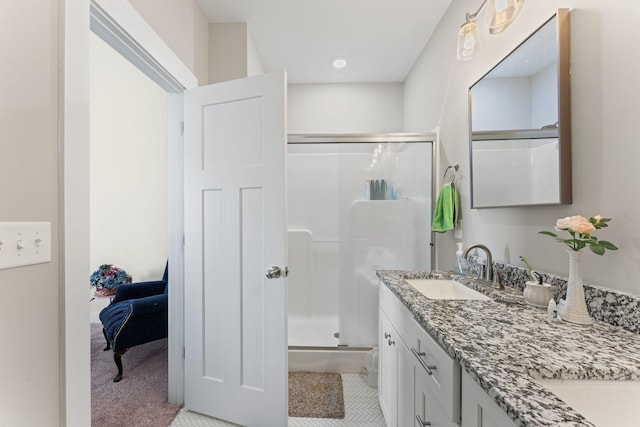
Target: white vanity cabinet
[(478, 409), (419, 383)]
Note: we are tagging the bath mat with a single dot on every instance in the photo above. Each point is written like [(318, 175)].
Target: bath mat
[(315, 395)]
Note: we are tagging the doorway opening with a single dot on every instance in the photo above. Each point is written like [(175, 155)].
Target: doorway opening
[(118, 24), (128, 224)]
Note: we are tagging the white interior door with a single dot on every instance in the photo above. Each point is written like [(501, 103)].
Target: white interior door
[(235, 218)]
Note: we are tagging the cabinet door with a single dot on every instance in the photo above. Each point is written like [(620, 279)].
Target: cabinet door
[(478, 409), (443, 371), (405, 385), (387, 370)]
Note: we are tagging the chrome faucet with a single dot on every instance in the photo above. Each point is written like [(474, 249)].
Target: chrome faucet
[(488, 272)]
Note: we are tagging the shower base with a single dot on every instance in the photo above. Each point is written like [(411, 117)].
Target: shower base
[(314, 347), (344, 360)]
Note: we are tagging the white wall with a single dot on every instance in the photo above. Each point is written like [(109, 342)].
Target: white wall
[(184, 28), (128, 166), (232, 53), (605, 105), (227, 51), (345, 108), (29, 315), (254, 62), (544, 106), (497, 104), (516, 102)]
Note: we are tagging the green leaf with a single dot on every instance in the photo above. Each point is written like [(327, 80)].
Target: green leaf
[(591, 239), (580, 245), (548, 233), (608, 245), (597, 249)]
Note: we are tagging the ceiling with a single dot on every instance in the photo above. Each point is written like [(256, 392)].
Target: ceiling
[(380, 39)]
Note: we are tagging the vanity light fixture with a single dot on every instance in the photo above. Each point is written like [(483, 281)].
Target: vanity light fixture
[(339, 63), (468, 39), (500, 14)]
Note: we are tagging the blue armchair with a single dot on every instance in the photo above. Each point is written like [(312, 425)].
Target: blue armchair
[(138, 314)]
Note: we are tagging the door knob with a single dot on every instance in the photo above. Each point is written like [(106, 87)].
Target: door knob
[(274, 272)]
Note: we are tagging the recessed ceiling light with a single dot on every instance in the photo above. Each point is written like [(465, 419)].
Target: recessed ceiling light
[(339, 63)]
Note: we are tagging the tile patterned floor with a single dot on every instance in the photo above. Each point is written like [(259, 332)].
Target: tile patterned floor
[(360, 404)]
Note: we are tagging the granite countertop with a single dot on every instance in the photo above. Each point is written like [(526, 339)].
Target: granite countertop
[(505, 344)]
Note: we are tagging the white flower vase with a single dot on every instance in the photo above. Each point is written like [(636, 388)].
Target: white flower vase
[(574, 309)]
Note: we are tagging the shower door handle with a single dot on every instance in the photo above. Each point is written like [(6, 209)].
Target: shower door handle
[(275, 272)]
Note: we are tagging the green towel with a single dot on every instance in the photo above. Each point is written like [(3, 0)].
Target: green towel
[(447, 208)]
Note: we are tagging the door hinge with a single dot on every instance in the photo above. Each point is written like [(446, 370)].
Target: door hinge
[(183, 241), (184, 352), (182, 128)]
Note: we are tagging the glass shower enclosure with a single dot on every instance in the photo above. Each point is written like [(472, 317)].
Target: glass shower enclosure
[(356, 204)]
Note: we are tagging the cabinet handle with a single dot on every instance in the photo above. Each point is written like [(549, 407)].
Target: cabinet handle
[(428, 368), (391, 342), (421, 421), (387, 335)]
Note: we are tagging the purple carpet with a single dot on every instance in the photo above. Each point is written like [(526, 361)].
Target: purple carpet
[(140, 399)]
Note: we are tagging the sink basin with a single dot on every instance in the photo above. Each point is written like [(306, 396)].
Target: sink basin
[(603, 402), (445, 289)]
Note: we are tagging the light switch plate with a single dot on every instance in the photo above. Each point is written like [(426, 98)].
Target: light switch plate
[(24, 243)]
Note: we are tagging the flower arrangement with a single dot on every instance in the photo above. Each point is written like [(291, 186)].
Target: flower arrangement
[(106, 278), (581, 229)]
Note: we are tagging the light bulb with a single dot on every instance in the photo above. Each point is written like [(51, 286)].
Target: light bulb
[(468, 41), (501, 13)]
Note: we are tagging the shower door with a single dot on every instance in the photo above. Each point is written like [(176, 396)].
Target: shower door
[(356, 204)]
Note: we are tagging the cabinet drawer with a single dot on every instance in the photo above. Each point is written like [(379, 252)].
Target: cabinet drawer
[(443, 372), (399, 315), (427, 409)]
